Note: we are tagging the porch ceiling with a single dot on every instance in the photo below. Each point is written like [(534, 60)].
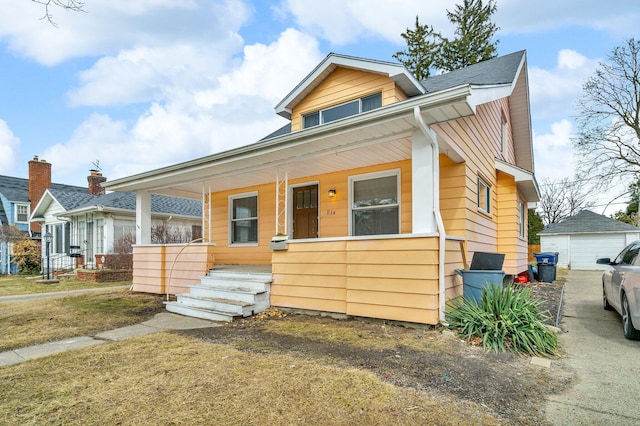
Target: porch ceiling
[(376, 137)]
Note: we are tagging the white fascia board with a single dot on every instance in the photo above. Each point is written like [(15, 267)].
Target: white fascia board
[(144, 180), (41, 204), (525, 180), (407, 82), (484, 94)]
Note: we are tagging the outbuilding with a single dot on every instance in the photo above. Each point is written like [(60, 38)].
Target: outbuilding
[(581, 239)]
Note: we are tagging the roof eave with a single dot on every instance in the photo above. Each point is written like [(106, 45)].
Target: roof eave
[(428, 103)]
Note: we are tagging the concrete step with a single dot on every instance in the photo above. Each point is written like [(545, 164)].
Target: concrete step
[(234, 307), (222, 279), (223, 295), (241, 294), (191, 311)]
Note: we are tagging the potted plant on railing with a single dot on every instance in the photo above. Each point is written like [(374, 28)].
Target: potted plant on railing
[(278, 242)]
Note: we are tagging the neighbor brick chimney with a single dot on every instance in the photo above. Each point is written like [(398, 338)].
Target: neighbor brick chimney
[(95, 180), (39, 181)]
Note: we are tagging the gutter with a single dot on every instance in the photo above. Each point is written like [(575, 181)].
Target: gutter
[(436, 209)]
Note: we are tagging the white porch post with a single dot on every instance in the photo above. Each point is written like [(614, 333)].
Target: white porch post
[(143, 217), (423, 183)]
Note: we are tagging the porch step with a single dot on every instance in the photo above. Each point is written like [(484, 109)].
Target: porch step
[(224, 295)]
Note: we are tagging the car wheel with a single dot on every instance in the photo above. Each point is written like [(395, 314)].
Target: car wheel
[(627, 326), (605, 301)]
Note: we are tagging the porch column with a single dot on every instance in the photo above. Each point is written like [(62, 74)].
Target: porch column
[(143, 217), (423, 183)]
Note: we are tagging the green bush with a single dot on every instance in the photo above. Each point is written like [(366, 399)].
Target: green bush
[(507, 318)]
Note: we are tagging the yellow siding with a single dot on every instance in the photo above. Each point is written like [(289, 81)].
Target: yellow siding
[(479, 137), (345, 85), (334, 213), (510, 242), (173, 269), (388, 278)]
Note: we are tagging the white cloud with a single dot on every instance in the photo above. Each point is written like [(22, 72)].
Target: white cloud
[(553, 151), (108, 27), (193, 116), (9, 148), (347, 21), (553, 92), (517, 16)]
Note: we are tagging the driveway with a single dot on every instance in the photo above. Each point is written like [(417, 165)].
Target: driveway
[(606, 365)]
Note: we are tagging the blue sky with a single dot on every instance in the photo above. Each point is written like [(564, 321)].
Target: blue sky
[(137, 85)]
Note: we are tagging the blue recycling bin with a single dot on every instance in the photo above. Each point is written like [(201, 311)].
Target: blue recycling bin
[(546, 258), (475, 281)]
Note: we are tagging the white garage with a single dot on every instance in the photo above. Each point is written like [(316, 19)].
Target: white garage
[(581, 239)]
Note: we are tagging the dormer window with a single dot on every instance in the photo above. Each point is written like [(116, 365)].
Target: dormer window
[(364, 104)]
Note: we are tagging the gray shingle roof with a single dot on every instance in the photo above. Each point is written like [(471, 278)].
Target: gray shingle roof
[(500, 70), (127, 201), (587, 221), (17, 189)]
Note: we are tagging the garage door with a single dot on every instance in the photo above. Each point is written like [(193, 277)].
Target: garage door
[(585, 249)]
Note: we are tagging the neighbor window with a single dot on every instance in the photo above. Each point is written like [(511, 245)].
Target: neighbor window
[(244, 219), (327, 115), (484, 196), (375, 204), (22, 213)]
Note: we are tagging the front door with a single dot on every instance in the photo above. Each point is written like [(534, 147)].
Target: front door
[(305, 212)]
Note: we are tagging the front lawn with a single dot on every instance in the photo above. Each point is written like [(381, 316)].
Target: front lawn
[(13, 285)]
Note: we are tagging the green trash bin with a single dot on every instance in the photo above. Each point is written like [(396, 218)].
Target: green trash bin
[(475, 281)]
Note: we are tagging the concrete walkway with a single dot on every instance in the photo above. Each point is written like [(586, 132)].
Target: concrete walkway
[(162, 321), (607, 365)]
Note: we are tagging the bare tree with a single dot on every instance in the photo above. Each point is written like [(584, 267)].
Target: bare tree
[(71, 5), (608, 136), (561, 199)]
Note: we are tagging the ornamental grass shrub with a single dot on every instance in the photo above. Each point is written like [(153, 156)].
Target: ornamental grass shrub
[(507, 318)]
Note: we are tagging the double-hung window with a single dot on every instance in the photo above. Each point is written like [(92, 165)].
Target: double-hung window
[(327, 115), (244, 219), (22, 213), (484, 196), (375, 203)]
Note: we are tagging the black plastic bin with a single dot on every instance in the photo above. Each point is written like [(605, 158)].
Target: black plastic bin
[(547, 266)]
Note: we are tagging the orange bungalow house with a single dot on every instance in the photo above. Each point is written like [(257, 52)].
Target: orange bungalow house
[(365, 203)]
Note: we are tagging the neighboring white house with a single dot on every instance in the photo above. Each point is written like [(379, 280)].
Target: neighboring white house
[(585, 237), (89, 224)]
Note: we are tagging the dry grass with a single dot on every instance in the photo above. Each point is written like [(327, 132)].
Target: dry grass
[(38, 321), (175, 380), (12, 285)]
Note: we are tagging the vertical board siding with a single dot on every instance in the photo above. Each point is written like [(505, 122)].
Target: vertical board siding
[(170, 268), (387, 278), (344, 85)]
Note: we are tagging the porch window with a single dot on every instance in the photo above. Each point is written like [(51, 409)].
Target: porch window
[(375, 204), (99, 236), (244, 219), (484, 196), (327, 115)]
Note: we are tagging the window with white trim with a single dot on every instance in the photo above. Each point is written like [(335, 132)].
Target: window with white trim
[(523, 213), (375, 203), (503, 136), (243, 228), (22, 213), (327, 115), (484, 196)]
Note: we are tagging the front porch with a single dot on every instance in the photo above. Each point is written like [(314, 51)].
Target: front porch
[(387, 277)]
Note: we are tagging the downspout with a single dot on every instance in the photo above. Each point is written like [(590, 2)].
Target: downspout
[(442, 235)]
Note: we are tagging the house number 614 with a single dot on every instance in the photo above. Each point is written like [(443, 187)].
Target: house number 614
[(331, 212)]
